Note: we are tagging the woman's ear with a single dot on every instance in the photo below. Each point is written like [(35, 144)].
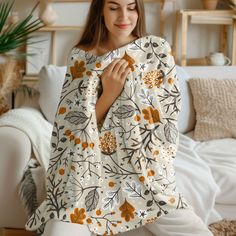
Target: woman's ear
[(46, 12)]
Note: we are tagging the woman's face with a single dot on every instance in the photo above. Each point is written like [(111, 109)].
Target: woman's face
[(120, 17)]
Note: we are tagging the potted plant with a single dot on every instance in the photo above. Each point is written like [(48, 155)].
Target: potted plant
[(229, 3), (14, 35), (209, 4)]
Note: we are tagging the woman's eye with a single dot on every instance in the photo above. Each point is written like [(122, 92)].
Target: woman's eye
[(113, 8), (132, 8)]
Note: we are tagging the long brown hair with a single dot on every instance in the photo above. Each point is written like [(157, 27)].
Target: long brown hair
[(95, 30)]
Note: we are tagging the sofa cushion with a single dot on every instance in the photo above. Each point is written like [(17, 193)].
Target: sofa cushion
[(186, 121), (215, 104), (51, 79)]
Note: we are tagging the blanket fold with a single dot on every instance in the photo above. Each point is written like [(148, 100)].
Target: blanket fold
[(121, 176), (31, 122)]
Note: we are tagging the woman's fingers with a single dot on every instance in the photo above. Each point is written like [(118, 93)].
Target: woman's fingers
[(112, 65), (116, 70), (125, 73), (120, 67)]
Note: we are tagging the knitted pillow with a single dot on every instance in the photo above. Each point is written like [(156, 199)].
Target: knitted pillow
[(215, 104)]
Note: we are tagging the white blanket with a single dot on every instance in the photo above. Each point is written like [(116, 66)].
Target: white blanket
[(195, 180), (35, 126), (220, 156)]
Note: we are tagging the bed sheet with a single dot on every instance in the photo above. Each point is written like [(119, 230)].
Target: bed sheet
[(219, 156)]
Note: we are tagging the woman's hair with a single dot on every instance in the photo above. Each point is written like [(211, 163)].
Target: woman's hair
[(95, 30)]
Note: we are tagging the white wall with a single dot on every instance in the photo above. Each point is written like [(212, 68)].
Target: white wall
[(201, 40)]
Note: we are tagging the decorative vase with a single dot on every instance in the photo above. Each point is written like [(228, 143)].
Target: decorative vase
[(209, 4)]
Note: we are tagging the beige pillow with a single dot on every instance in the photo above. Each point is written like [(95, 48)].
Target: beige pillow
[(215, 104)]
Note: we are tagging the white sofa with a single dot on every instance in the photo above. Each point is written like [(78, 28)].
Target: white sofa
[(16, 150)]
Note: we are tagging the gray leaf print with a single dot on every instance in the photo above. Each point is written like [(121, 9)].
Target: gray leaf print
[(111, 200), (149, 55), (124, 111), (91, 200), (171, 132), (145, 97), (76, 117), (133, 189), (162, 55), (135, 46)]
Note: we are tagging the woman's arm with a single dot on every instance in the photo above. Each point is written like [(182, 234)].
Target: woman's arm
[(113, 80)]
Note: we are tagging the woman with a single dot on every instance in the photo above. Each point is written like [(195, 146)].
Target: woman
[(119, 177)]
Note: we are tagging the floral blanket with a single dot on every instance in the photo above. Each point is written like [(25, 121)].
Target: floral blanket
[(120, 176)]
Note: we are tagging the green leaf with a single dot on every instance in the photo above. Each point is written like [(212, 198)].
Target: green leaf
[(16, 35)]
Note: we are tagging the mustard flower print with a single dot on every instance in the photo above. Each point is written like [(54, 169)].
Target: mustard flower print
[(108, 143), (151, 115), (78, 216), (77, 71), (153, 79)]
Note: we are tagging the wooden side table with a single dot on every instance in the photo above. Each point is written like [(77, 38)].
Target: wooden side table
[(223, 18)]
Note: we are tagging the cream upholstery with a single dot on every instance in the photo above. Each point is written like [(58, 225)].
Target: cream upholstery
[(15, 152)]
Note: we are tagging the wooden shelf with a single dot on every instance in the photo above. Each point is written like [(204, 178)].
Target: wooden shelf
[(222, 18), (60, 28)]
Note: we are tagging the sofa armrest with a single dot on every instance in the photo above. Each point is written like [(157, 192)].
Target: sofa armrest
[(15, 152)]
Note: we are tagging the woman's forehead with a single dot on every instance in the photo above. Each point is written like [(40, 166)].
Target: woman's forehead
[(120, 2)]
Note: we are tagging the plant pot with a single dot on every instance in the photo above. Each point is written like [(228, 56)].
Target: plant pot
[(209, 4)]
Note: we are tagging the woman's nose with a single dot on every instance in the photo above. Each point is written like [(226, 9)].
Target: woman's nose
[(123, 13)]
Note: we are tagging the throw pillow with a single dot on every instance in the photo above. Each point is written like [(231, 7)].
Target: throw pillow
[(51, 79), (186, 120), (215, 104)]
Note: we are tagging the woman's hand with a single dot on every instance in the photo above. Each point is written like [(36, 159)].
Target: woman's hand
[(113, 80)]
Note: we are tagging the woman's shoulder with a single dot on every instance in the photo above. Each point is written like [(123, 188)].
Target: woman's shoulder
[(78, 51), (85, 48), (158, 38), (160, 41)]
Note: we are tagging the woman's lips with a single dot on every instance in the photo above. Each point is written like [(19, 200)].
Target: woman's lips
[(123, 26)]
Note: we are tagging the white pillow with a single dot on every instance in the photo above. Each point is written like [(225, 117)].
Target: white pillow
[(51, 79), (187, 119)]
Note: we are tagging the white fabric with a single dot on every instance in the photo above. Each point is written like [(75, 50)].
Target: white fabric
[(179, 223), (187, 119), (32, 123), (176, 223), (220, 156), (51, 79), (216, 183), (218, 72), (195, 180), (226, 211), (59, 228)]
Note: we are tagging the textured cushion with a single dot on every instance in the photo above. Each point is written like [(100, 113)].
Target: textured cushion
[(51, 79), (215, 104), (186, 121)]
